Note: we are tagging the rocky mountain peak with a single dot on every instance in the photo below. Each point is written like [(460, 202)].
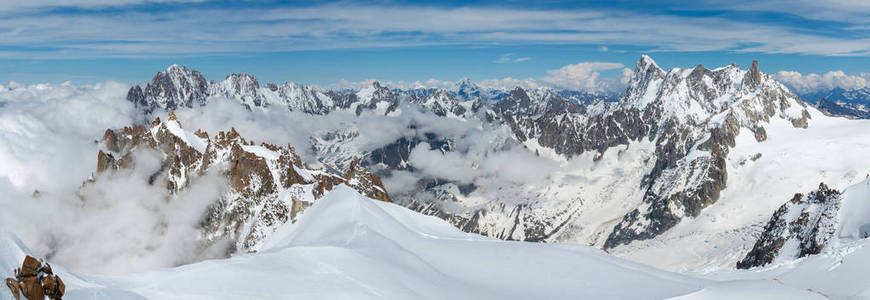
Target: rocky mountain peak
[(243, 87), (466, 90), (441, 103), (647, 64), (687, 107), (753, 75), (377, 98), (243, 81), (646, 77), (174, 88), (268, 184)]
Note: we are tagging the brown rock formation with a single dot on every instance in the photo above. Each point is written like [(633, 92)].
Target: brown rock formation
[(35, 281), (364, 181)]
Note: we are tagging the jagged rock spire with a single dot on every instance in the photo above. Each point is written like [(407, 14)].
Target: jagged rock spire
[(753, 75)]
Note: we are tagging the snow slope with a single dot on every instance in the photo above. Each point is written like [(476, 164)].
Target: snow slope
[(349, 247), (839, 272)]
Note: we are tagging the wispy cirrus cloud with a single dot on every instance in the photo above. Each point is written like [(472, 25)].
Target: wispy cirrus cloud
[(207, 29), (830, 10), (6, 6), (509, 57)]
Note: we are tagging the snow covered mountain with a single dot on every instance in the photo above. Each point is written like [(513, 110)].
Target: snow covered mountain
[(269, 185), (349, 246), (537, 165), (175, 88), (684, 121), (839, 94), (853, 103), (180, 87)]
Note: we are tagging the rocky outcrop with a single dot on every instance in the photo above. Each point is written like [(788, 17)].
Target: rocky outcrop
[(269, 185), (365, 182), (35, 281), (800, 227)]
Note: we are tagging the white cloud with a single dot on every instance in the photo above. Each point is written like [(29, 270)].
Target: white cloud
[(505, 58), (582, 76), (513, 165), (812, 82), (55, 125), (48, 143), (147, 230)]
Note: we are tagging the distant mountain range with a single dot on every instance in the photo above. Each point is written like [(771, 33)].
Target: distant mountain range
[(619, 174), (853, 103), (179, 87)]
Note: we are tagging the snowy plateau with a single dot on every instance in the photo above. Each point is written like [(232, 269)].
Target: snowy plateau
[(694, 183)]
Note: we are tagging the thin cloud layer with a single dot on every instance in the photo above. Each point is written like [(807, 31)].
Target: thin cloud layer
[(209, 29)]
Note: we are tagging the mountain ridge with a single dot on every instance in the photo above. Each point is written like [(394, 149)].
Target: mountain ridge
[(677, 126)]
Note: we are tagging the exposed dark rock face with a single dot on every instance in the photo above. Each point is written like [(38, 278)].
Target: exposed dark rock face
[(268, 184), (177, 87), (800, 227)]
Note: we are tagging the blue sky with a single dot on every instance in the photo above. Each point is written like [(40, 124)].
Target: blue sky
[(322, 43)]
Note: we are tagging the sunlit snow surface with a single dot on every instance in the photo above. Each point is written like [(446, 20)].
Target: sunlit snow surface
[(350, 247)]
